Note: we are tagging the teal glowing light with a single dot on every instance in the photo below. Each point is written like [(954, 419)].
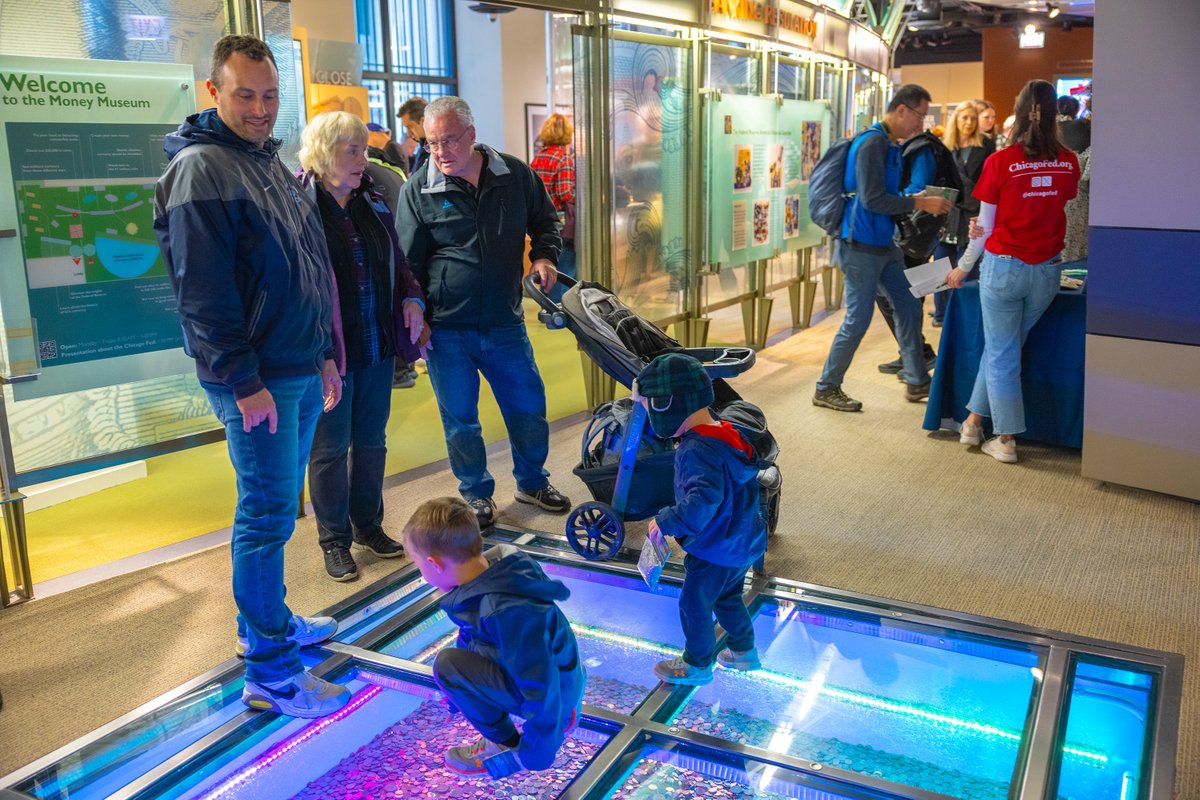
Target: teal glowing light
[(924, 713)]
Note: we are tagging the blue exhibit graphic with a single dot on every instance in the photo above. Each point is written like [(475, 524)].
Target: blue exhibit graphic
[(98, 285)]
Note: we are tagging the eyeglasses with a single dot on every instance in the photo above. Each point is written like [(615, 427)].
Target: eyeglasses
[(433, 145)]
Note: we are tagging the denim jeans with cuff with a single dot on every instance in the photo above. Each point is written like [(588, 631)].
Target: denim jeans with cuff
[(1013, 296), (504, 356), (269, 468)]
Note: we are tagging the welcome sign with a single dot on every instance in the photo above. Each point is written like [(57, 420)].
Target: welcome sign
[(81, 147)]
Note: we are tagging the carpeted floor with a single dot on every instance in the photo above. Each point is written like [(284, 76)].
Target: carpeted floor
[(871, 504)]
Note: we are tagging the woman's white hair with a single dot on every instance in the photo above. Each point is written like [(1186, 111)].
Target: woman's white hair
[(324, 134), (450, 105)]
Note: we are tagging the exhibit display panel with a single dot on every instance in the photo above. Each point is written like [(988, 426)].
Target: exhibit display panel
[(760, 156), (857, 697)]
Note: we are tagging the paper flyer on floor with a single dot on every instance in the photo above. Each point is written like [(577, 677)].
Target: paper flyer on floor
[(928, 278)]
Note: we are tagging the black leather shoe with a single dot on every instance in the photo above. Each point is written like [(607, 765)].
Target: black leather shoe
[(485, 511), (339, 563), (891, 367), (379, 543), (549, 499), (916, 392)]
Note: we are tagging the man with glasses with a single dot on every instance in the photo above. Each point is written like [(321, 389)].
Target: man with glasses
[(867, 252), (463, 218)]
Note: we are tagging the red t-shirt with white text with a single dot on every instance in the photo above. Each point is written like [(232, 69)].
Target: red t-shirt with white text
[(1029, 195)]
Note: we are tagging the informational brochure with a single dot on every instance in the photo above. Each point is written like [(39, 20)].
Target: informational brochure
[(928, 278)]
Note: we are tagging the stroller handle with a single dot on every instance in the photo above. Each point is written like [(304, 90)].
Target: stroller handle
[(722, 362), (533, 288)]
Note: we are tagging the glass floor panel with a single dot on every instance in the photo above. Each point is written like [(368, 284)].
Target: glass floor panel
[(621, 626), (666, 770), (919, 706), (388, 742), (858, 698), (1108, 724)]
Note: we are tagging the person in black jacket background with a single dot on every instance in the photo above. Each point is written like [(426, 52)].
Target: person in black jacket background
[(970, 148), (382, 317), (463, 217)]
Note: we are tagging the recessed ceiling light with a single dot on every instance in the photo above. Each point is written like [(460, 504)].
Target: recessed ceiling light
[(1031, 28)]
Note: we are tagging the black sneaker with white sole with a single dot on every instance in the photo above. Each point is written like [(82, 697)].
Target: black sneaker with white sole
[(339, 564), (549, 499), (485, 511), (379, 543)]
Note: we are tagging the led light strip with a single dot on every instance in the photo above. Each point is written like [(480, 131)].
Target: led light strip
[(286, 746), (846, 695)]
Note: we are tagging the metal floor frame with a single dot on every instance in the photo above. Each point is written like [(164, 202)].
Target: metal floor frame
[(1034, 778)]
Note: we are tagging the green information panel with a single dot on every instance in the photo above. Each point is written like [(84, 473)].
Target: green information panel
[(761, 151), (80, 151)]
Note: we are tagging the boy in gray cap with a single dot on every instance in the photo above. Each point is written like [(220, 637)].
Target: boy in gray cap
[(715, 518)]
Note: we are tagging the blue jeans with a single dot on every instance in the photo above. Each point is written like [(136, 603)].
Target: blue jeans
[(865, 272), (1013, 296), (505, 358), (953, 252), (345, 470), (566, 266), (707, 589), (270, 471)]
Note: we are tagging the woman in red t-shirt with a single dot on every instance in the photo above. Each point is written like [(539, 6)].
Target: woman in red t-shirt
[(1022, 192)]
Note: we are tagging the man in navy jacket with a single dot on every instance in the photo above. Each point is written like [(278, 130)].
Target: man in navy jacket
[(246, 254)]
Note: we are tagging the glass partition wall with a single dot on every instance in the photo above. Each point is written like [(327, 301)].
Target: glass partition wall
[(643, 172)]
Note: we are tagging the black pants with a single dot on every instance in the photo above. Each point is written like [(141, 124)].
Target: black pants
[(885, 308)]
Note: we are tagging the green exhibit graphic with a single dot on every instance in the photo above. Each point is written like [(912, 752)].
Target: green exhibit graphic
[(88, 233), (97, 282), (760, 155)]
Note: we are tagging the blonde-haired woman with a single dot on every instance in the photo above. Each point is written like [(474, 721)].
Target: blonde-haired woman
[(987, 118), (382, 318), (970, 148), (555, 165)]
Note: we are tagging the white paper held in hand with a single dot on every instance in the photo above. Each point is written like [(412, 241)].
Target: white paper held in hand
[(928, 278)]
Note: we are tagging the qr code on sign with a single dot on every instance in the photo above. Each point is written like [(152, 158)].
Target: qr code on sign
[(47, 349)]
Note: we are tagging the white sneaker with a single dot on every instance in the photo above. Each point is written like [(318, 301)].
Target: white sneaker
[(970, 434), (304, 631), (1001, 451), (303, 695)]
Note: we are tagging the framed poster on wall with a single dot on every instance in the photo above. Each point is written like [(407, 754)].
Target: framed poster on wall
[(535, 117)]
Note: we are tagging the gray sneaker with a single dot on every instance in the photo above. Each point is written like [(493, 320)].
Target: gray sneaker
[(744, 660), (836, 399), (482, 756), (303, 695), (304, 631)]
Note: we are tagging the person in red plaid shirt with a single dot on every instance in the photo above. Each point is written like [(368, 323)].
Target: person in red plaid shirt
[(555, 165)]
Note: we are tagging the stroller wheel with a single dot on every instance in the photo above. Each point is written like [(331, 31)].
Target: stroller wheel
[(595, 530), (773, 512)]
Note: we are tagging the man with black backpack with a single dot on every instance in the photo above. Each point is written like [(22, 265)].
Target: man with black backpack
[(866, 248)]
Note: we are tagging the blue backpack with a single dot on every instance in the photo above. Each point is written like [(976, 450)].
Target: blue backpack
[(827, 193)]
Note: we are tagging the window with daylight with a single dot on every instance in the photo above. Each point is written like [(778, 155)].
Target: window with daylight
[(408, 51)]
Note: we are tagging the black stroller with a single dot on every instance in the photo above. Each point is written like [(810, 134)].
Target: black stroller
[(629, 471)]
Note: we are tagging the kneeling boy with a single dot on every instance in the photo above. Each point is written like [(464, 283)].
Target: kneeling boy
[(516, 652), (715, 519)]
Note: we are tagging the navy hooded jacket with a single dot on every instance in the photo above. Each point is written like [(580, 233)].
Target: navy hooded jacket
[(508, 614), (246, 253), (716, 513)]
